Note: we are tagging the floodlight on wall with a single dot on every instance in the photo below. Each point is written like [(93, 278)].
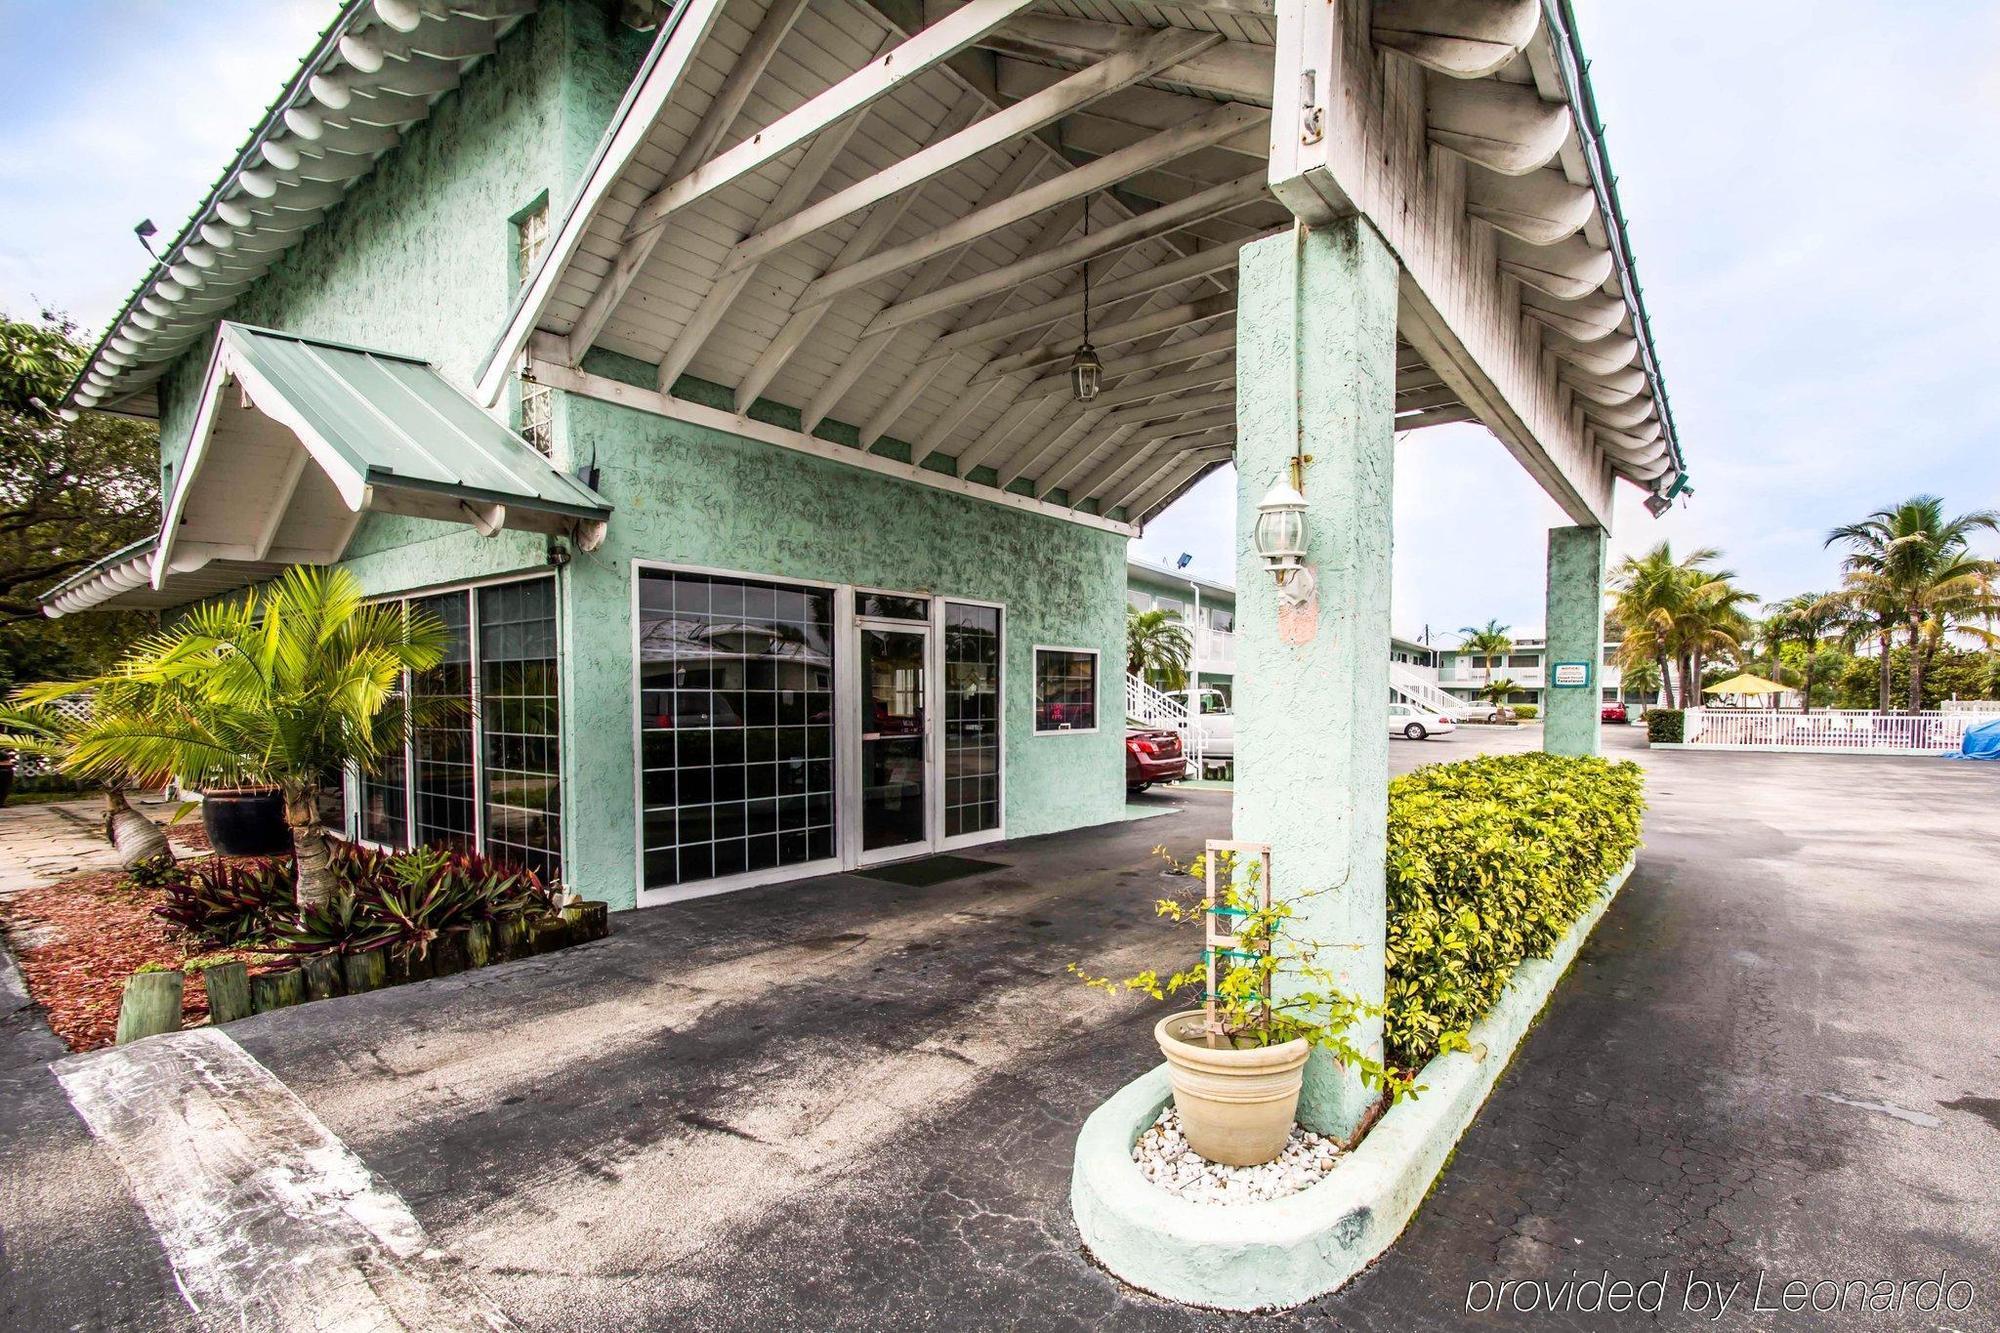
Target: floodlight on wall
[(1280, 535), (1658, 504)]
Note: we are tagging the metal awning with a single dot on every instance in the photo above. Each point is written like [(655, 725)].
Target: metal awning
[(294, 440)]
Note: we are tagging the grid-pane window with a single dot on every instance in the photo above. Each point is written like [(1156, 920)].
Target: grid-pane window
[(537, 415), (441, 732), (971, 719), (736, 726), (1519, 660), (531, 237), (1065, 689), (384, 796), (520, 719)]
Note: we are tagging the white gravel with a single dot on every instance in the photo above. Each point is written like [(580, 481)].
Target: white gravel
[(1164, 1158)]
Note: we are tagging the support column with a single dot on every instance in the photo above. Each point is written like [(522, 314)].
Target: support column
[(1570, 714), (1316, 375)]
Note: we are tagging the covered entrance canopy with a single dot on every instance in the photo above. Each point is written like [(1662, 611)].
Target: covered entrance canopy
[(886, 219), (294, 441)]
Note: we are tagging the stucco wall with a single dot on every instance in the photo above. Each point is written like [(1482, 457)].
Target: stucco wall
[(689, 495)]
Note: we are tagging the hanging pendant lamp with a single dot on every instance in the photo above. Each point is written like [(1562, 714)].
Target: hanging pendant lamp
[(1086, 372)]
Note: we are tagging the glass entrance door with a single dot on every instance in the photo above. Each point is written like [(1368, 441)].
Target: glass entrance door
[(895, 739)]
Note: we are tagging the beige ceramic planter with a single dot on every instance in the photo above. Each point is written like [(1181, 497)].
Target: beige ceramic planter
[(1236, 1103)]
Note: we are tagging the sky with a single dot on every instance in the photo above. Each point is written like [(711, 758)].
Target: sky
[(1810, 186)]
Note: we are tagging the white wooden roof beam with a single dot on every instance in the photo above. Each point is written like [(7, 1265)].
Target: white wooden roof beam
[(806, 315), (804, 178), (701, 144), (1167, 218), (1236, 70), (932, 274), (1222, 123), (1111, 335), (873, 81), (1144, 56)]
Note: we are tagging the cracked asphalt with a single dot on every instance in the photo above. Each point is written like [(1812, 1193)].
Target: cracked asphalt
[(851, 1104)]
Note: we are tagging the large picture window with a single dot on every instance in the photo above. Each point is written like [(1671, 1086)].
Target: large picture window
[(1065, 689), (486, 775), (521, 718), (971, 719), (736, 726)]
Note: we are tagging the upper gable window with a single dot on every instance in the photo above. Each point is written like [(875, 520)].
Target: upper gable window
[(531, 237)]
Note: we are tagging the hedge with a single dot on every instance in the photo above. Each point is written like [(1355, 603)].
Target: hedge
[(1490, 862), (1527, 712), (1665, 726)]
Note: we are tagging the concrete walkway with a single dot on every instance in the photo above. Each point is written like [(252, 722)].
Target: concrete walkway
[(851, 1103)]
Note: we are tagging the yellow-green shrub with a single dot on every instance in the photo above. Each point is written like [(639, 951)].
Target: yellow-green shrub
[(1490, 862)]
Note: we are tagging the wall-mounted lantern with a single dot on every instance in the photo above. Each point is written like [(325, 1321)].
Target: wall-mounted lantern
[(1281, 541)]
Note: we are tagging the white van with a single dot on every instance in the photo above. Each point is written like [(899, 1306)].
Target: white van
[(1218, 725)]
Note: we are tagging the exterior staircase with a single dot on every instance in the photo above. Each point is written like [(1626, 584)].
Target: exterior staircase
[(1412, 688), (1150, 707)]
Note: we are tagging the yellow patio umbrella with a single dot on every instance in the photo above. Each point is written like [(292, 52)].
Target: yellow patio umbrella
[(1746, 684)]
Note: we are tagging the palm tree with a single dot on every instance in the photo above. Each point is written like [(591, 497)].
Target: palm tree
[(1157, 646), (1490, 640), (1914, 562), (288, 685), (1808, 619), (1643, 677), (1677, 613), (1497, 691)]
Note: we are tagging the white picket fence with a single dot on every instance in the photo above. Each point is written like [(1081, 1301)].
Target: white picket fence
[(1832, 731), (1976, 707)]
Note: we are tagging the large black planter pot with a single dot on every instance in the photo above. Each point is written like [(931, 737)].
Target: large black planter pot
[(6, 781), (250, 822)]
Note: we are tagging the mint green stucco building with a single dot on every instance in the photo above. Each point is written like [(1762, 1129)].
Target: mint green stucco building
[(770, 664), (766, 392)]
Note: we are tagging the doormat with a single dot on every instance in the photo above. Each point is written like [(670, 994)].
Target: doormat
[(930, 870)]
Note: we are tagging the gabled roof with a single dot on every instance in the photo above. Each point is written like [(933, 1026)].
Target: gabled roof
[(376, 70), (294, 440)]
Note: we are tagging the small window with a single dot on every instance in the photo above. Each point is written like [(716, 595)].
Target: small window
[(1522, 660), (531, 237), (1065, 690)]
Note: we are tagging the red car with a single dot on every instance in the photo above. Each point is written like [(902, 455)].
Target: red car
[(1152, 756), (1614, 712)]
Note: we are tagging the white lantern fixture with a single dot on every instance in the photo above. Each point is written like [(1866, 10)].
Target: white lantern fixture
[(1086, 372), (1281, 541)]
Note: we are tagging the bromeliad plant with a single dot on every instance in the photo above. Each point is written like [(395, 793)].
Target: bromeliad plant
[(1272, 988)]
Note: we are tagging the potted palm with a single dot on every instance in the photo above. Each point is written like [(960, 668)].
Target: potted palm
[(1236, 1064), (282, 689)]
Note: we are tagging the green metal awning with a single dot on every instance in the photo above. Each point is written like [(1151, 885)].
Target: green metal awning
[(295, 439)]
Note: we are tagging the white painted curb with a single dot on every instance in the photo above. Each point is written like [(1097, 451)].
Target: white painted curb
[(1277, 1254)]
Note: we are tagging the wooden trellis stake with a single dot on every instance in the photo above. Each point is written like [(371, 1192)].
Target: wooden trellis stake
[(1223, 941)]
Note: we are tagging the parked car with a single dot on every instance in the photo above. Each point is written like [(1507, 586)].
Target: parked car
[(1614, 712), (1151, 756), (1478, 710), (1415, 724)]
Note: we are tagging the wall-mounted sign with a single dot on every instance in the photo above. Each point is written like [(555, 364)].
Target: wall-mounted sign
[(1570, 675)]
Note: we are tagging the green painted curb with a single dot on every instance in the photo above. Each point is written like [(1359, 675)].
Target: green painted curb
[(1274, 1255)]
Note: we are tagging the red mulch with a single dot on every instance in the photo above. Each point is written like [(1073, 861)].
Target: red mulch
[(104, 930), (188, 836)]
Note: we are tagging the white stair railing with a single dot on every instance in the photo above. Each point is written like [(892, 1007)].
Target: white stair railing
[(1152, 707), (1415, 689)]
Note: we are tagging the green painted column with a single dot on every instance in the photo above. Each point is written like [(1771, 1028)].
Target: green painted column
[(1576, 635), (1316, 374)]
